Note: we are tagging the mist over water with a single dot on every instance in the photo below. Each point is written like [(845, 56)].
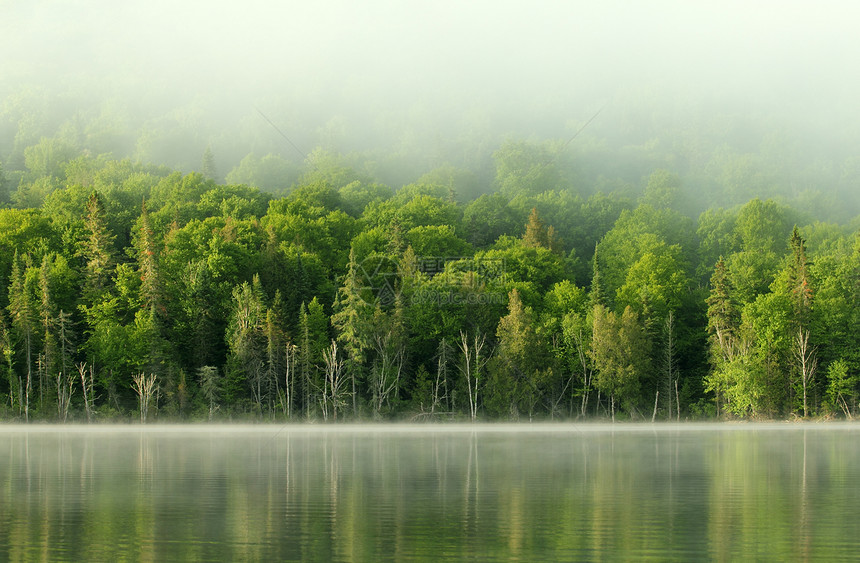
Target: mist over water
[(671, 492), (716, 91)]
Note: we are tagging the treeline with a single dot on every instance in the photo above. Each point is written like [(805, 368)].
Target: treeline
[(723, 157), (133, 291)]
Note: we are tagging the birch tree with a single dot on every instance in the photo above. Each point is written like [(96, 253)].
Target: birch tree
[(333, 393), (145, 387), (472, 367)]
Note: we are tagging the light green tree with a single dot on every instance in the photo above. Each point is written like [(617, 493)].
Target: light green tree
[(620, 352), (353, 322)]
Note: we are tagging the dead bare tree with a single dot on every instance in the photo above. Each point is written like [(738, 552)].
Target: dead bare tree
[(807, 362), (144, 386), (65, 389), (471, 367), (333, 392), (387, 369), (289, 377), (87, 386), (440, 386)]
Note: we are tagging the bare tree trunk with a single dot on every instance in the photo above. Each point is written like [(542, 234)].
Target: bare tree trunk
[(807, 362), (289, 376), (145, 388), (386, 371), (654, 414), (471, 368), (586, 373), (29, 382), (87, 388), (20, 395), (844, 405), (333, 379), (441, 375), (354, 397), (669, 360), (65, 389)]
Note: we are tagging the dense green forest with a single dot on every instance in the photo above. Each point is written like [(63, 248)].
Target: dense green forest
[(680, 275)]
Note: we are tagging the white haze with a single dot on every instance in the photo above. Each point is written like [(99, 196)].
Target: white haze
[(443, 67), (559, 428)]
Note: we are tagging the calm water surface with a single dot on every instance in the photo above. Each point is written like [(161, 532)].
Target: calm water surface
[(560, 492)]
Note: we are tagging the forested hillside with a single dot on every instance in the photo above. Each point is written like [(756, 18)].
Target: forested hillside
[(550, 280)]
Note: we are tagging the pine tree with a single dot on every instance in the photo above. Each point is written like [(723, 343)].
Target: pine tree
[(97, 249), (536, 232), (723, 315), (805, 353), (209, 386), (47, 325), (313, 340), (396, 238), (596, 294), (304, 358), (147, 265), (353, 320), (152, 313), (198, 301), (801, 287), (275, 346), (389, 345), (208, 168), (23, 316), (66, 342), (7, 349), (246, 338)]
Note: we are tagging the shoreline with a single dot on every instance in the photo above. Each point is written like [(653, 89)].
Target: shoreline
[(420, 428)]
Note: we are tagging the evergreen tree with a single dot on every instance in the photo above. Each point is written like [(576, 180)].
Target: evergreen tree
[(597, 291), (208, 168), (353, 320), (389, 345), (313, 341), (275, 350), (723, 314), (210, 387), (97, 249), (47, 321), (799, 279), (7, 350), (246, 339), (304, 359), (535, 235), (23, 315), (804, 351), (147, 265)]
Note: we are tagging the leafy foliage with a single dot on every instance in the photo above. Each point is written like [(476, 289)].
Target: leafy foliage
[(331, 295)]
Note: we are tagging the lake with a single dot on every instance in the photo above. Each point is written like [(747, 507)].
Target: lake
[(485, 492)]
